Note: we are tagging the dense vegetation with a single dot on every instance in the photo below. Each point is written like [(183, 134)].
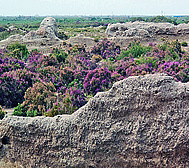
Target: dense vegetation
[(60, 83)]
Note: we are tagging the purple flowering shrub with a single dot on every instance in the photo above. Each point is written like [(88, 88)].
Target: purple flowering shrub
[(115, 76), (121, 65), (68, 101), (76, 96), (80, 75), (14, 84), (38, 61), (97, 80), (80, 62), (33, 61), (106, 49), (139, 70), (11, 90), (59, 77), (23, 75), (9, 64), (179, 70)]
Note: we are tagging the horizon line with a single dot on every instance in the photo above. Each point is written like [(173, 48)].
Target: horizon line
[(88, 15)]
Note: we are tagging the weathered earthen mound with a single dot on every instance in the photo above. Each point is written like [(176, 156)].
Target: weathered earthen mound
[(140, 122), (43, 39), (48, 29), (145, 29)]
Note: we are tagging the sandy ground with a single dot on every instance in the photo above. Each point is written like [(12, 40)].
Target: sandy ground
[(9, 111)]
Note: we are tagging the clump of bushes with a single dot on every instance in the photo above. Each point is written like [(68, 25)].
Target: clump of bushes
[(174, 47), (68, 102), (179, 70), (106, 49), (8, 64), (135, 50), (39, 98), (18, 51), (60, 84), (161, 19), (60, 55), (11, 90), (37, 61), (97, 80)]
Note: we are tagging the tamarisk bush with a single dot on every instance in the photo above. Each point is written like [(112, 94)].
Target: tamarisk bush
[(97, 80), (11, 90), (40, 97), (106, 49), (68, 102)]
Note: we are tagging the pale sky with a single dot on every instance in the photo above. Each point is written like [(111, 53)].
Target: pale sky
[(93, 7)]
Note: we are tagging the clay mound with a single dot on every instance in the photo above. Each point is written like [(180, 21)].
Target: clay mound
[(145, 29), (44, 39), (140, 122), (48, 29)]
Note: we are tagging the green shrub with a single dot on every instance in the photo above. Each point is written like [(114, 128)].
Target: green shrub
[(32, 113), (53, 112), (134, 50), (144, 60), (161, 19), (133, 19), (18, 111), (19, 51), (60, 55), (2, 113), (75, 83), (62, 35), (174, 47), (184, 44)]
